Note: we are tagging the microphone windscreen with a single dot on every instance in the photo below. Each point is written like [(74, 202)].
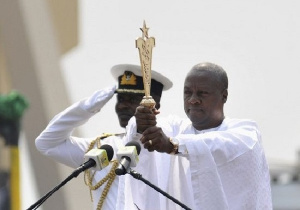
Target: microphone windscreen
[(136, 144), (109, 151)]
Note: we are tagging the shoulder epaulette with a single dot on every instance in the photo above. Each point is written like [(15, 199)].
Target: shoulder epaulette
[(99, 138), (105, 135)]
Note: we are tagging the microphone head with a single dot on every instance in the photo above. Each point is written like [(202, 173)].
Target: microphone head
[(136, 144), (109, 151)]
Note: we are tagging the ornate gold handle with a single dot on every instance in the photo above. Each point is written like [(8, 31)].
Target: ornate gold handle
[(145, 46)]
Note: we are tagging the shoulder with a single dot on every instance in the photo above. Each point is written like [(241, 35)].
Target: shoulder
[(236, 123)]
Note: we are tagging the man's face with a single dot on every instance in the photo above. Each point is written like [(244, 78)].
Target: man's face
[(126, 106), (203, 100)]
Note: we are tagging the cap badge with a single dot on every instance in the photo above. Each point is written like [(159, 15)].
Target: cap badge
[(128, 78)]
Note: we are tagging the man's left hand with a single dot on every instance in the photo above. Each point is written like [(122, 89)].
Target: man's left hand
[(154, 139)]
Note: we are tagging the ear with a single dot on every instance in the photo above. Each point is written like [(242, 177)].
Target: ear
[(224, 95), (157, 100), (157, 105)]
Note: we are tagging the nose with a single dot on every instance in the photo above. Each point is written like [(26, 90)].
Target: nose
[(194, 99)]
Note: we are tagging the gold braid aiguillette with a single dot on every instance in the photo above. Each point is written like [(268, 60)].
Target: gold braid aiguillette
[(109, 178)]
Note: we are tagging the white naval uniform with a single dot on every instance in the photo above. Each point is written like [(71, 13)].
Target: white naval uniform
[(56, 141)]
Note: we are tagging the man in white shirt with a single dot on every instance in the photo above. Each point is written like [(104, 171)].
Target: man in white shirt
[(208, 161)]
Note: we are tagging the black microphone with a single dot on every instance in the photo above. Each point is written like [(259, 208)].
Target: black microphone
[(128, 157), (98, 158)]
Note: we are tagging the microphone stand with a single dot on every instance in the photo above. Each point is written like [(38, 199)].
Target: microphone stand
[(74, 174), (138, 176)]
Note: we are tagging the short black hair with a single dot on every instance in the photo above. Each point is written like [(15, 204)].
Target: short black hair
[(218, 71)]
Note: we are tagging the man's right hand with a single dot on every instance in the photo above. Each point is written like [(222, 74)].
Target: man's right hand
[(145, 118)]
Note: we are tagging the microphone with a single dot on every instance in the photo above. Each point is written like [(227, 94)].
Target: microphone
[(128, 157), (98, 158)]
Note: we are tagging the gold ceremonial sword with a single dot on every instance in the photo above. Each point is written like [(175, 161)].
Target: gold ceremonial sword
[(145, 45)]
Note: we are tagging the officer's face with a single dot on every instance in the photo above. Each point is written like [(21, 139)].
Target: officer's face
[(126, 106)]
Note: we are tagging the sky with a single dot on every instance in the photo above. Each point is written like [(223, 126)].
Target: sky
[(256, 42)]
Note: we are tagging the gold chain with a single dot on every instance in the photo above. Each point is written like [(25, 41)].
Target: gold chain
[(109, 178)]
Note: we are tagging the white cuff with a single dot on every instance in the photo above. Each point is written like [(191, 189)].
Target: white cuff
[(182, 149), (98, 99)]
